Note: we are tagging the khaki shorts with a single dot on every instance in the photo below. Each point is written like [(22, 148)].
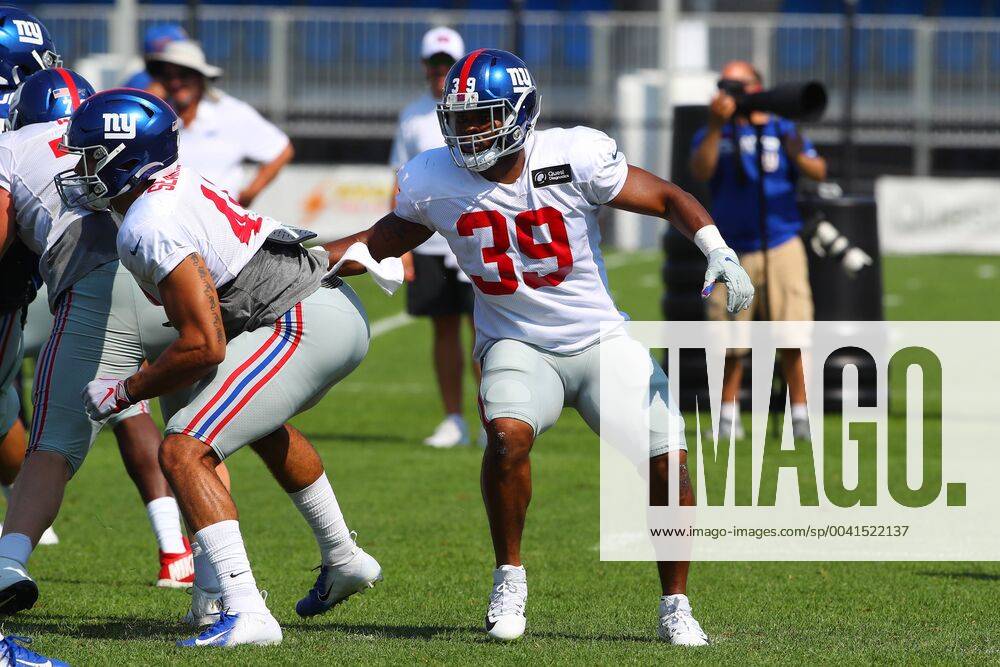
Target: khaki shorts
[(530, 384), (100, 326), (10, 363), (273, 373), (788, 290)]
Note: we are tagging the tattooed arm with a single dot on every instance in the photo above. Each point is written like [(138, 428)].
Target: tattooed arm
[(192, 304), (391, 236)]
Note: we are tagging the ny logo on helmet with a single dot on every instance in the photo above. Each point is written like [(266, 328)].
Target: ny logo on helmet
[(28, 32), (520, 78), (119, 126)]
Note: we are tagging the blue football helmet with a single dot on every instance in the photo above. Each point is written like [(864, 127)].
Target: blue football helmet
[(46, 96), (123, 136), (25, 47), (492, 93)]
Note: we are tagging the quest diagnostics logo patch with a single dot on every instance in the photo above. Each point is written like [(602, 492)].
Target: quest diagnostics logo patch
[(551, 176)]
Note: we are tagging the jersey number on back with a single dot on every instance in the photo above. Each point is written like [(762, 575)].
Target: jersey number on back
[(525, 223)]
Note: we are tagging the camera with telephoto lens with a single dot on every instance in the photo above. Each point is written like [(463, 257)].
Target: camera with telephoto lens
[(795, 101)]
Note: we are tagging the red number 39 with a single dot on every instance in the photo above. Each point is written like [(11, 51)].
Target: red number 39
[(524, 223)]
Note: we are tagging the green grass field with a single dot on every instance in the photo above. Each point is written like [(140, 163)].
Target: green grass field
[(419, 512)]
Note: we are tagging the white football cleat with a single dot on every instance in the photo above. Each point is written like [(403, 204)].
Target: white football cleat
[(238, 628), (336, 583), (48, 538), (205, 607), (18, 590), (505, 619), (677, 625), (451, 432)]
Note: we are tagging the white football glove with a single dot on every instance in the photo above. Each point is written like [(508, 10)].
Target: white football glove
[(104, 397), (724, 265)]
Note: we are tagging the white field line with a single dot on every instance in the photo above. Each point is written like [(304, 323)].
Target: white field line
[(391, 323)]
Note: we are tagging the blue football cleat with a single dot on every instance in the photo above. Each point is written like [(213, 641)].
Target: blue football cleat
[(13, 654), (236, 629)]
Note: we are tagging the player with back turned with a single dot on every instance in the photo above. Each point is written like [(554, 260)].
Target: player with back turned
[(519, 209), (259, 337)]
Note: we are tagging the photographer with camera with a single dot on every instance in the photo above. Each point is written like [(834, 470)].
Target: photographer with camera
[(765, 233)]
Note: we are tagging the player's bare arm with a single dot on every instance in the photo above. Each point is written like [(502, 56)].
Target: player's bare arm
[(192, 305), (392, 236), (648, 194)]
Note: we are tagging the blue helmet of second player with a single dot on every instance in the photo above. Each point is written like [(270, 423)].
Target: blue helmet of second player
[(489, 107), (25, 47), (123, 137), (46, 96)]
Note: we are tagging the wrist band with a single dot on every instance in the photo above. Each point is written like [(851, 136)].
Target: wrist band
[(708, 239), (125, 392)]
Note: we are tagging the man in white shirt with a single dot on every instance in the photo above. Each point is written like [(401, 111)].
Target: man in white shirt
[(437, 288), (219, 132)]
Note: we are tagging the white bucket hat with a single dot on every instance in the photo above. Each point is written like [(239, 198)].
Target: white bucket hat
[(186, 54), (442, 40)]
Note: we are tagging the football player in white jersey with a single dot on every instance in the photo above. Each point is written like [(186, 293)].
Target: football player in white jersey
[(97, 332), (519, 209), (260, 337)]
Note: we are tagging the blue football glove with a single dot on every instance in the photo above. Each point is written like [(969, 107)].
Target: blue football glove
[(724, 266)]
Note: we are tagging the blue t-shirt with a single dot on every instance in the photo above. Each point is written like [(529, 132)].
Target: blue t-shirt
[(734, 196)]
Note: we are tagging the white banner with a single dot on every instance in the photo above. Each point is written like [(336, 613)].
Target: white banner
[(938, 215), (910, 479), (333, 201)]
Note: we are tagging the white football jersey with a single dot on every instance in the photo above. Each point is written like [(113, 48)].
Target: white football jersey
[(531, 247), (181, 213), (29, 160)]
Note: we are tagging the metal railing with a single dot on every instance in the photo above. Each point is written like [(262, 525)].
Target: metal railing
[(348, 72)]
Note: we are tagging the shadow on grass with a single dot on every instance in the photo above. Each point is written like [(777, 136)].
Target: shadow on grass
[(464, 633), (977, 576), (97, 628)]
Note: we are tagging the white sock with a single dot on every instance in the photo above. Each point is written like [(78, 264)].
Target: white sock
[(319, 508), (730, 411), (166, 520), (204, 573), (223, 545), (456, 417), (799, 411), (16, 546), (7, 490)]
